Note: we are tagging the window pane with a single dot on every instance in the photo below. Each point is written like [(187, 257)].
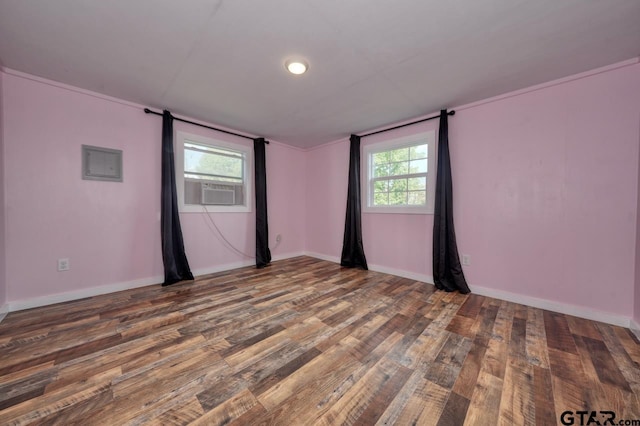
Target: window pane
[(396, 198), (380, 170), (401, 154), (417, 198), (211, 149), (417, 183), (418, 166), (381, 186), (213, 178), (396, 169), (398, 185), (381, 157), (381, 199), (419, 151), (212, 163)]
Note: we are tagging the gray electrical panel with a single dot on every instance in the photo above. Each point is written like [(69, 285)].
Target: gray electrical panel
[(101, 163)]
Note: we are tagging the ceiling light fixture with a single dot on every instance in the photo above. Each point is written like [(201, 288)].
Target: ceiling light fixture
[(296, 66)]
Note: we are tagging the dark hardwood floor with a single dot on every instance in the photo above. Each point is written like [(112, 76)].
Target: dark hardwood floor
[(307, 342)]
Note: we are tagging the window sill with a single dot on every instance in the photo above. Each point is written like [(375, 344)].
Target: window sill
[(214, 209), (396, 210)]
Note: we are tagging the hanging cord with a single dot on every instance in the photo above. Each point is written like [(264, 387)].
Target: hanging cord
[(231, 246)]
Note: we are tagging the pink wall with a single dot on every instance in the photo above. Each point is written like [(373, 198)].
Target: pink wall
[(545, 184), (546, 191), (636, 304), (546, 195), (3, 282), (385, 235), (327, 173), (286, 183), (110, 231)]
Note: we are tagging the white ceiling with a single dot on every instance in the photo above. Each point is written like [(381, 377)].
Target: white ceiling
[(372, 62)]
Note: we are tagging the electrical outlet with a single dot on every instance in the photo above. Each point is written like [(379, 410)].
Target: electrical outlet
[(278, 238), (63, 265), (466, 260)]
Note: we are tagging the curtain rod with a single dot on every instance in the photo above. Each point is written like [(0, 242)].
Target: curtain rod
[(452, 112), (148, 111)]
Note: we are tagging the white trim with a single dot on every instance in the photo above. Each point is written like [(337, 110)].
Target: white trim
[(59, 85), (321, 256), (36, 302), (76, 89), (634, 327), (378, 268), (550, 305), (221, 268), (518, 92), (404, 274), (4, 310), (284, 256), (548, 84), (241, 264), (535, 302), (179, 141), (368, 150)]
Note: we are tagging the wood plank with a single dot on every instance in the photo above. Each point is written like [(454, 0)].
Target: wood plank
[(228, 411), (558, 333), (184, 414), (454, 411), (446, 367), (383, 397), (484, 407), (605, 365), (406, 406), (517, 404), (545, 407), (536, 339), (284, 371), (434, 399), (468, 375), (349, 408), (472, 306), (304, 342)]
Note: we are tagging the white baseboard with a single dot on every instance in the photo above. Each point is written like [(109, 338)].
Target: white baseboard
[(222, 268), (4, 310), (288, 255), (635, 328), (535, 302), (241, 264), (400, 273), (378, 268), (36, 302), (321, 256), (550, 305)]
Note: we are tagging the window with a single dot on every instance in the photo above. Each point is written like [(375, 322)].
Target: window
[(212, 174), (400, 175)]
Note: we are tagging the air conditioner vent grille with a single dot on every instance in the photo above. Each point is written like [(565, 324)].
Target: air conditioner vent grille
[(217, 194)]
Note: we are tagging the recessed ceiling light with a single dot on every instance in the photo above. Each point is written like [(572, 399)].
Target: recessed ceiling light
[(296, 66)]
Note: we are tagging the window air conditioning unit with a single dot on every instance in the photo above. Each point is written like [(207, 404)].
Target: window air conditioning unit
[(217, 194)]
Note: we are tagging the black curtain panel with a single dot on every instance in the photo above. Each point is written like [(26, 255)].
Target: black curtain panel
[(447, 271), (263, 254), (352, 249), (176, 267)]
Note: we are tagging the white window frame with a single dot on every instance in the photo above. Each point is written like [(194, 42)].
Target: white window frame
[(179, 141), (367, 173)]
